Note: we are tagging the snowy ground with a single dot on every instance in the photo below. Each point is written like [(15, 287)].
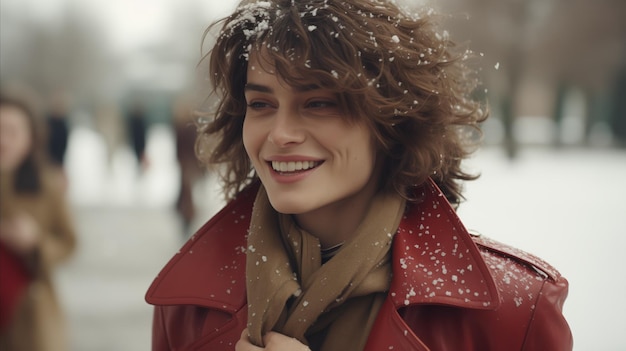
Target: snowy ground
[(567, 207), (563, 205)]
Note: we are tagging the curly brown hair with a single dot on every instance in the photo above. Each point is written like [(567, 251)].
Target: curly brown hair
[(388, 66)]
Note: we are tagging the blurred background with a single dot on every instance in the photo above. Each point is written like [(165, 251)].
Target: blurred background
[(119, 72)]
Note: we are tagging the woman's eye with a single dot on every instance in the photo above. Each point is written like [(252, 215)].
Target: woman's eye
[(257, 105), (322, 104)]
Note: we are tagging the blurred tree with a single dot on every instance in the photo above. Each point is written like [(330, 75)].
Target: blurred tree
[(66, 54), (618, 116), (555, 43)]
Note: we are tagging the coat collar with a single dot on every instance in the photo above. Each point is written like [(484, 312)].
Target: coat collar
[(435, 260), (209, 270)]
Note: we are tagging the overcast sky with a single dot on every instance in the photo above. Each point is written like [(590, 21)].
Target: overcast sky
[(126, 23)]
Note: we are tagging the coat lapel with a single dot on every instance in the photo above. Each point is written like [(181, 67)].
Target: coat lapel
[(435, 261), (390, 332), (209, 270)]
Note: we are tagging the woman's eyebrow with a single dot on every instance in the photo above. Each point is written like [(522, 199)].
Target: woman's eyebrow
[(305, 88), (257, 87), (265, 89)]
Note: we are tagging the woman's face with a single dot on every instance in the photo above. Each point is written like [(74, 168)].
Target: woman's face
[(303, 147), (15, 137)]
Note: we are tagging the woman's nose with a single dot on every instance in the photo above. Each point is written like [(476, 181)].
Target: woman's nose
[(286, 129)]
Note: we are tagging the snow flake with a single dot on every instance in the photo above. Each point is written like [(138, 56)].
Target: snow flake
[(403, 263)]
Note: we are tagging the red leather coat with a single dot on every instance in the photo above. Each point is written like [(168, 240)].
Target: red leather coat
[(450, 290)]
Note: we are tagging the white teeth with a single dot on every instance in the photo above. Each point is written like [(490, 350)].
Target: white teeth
[(293, 166)]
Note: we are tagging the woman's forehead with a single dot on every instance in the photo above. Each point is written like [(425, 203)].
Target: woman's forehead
[(262, 65), (260, 60)]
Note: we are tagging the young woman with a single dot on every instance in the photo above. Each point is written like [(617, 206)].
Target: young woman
[(342, 125), (36, 233)]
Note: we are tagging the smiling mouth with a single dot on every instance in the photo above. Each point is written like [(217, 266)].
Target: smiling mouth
[(293, 167)]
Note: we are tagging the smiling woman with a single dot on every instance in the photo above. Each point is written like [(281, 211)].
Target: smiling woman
[(285, 126), (341, 127)]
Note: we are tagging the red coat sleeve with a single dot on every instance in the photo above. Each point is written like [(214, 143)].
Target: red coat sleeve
[(548, 329)]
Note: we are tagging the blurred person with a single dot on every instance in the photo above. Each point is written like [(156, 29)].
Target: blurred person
[(342, 126), (137, 130), (36, 233), (58, 129), (190, 169), (58, 133), (109, 124)]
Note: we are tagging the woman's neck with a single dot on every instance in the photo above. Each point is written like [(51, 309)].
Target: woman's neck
[(337, 222)]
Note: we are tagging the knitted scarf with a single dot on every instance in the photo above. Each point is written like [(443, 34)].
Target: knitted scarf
[(331, 306)]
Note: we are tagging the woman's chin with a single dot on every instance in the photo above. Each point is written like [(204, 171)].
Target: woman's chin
[(289, 208), (290, 204)]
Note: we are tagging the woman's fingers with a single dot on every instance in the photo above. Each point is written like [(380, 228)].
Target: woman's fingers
[(279, 342), (244, 344), (273, 342)]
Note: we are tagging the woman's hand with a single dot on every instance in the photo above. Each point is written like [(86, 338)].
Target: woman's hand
[(273, 342), (20, 234)]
